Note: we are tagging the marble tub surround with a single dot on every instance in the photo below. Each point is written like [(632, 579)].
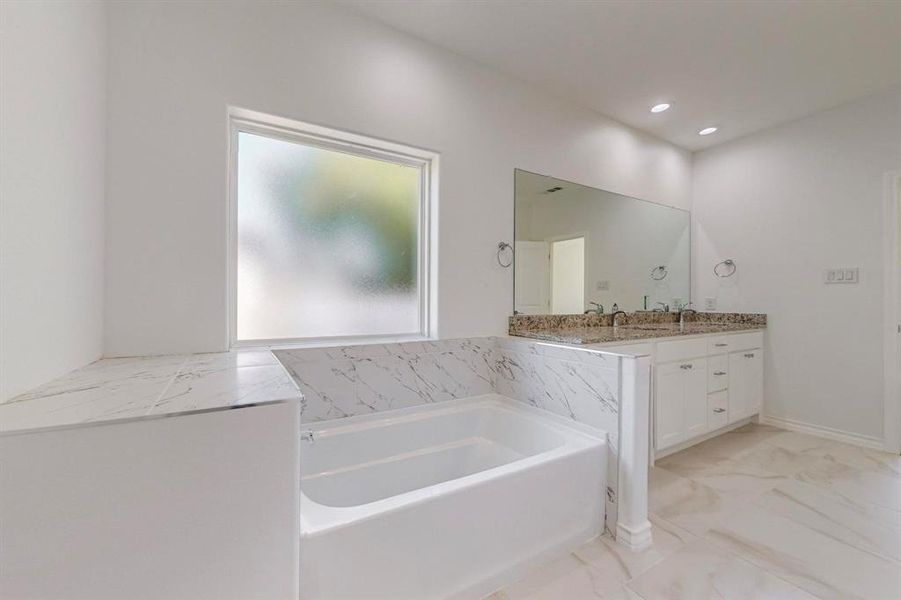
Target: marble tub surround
[(126, 388), (345, 381), (582, 384), (755, 513)]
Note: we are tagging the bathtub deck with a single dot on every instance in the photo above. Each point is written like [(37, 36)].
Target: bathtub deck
[(122, 389)]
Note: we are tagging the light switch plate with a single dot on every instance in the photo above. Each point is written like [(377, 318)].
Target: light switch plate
[(841, 275), (709, 303)]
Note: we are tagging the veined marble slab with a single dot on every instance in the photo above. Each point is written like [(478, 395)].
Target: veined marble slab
[(125, 388), (576, 383), (345, 381)]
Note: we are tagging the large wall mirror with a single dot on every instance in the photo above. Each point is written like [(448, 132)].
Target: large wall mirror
[(579, 248)]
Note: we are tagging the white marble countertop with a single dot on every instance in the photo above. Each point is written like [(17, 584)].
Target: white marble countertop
[(128, 388)]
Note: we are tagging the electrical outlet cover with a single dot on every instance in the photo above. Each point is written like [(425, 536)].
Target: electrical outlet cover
[(709, 303)]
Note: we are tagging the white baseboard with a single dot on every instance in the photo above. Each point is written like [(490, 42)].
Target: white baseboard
[(824, 432), (636, 538)]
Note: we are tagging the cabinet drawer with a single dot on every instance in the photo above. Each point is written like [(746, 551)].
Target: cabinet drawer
[(717, 373), (681, 350), (719, 344), (718, 410), (722, 344)]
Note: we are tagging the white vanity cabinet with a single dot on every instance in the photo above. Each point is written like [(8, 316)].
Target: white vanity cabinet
[(704, 384)]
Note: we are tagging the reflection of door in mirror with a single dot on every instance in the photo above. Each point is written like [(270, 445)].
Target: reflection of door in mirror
[(568, 276), (532, 278)]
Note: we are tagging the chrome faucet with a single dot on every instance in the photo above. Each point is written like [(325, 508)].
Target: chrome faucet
[(307, 435), (685, 308), (616, 314), (598, 309), (664, 309)]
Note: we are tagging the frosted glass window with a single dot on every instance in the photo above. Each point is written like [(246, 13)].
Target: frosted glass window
[(328, 241)]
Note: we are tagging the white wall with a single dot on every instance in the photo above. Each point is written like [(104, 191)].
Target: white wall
[(52, 137), (174, 67), (787, 203)]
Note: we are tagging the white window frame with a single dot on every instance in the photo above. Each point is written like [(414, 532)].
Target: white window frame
[(247, 121)]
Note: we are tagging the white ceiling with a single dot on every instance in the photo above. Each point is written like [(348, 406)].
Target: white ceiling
[(739, 65)]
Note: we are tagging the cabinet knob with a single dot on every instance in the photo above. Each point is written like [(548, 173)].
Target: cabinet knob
[(749, 355), (719, 372), (688, 366), (721, 345), (719, 410)]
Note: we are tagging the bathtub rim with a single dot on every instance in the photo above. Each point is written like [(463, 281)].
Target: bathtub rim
[(402, 414), (578, 438)]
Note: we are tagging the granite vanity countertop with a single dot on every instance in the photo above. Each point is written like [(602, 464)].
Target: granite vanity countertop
[(135, 388), (601, 334)]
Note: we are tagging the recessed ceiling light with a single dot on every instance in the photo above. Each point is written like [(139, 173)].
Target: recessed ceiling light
[(707, 131), (657, 108)]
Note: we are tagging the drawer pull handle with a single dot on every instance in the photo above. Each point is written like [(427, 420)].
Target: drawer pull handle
[(749, 355), (721, 345), (719, 410), (719, 372), (685, 366)]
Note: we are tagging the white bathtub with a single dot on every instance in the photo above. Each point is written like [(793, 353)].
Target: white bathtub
[(449, 500)]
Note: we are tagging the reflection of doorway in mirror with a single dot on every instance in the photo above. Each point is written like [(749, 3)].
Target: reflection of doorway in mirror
[(568, 276), (532, 275)]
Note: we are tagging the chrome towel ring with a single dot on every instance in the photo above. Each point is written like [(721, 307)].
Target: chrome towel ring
[(659, 273), (728, 271), (501, 248)]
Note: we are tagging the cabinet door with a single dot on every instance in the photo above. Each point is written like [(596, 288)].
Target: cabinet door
[(695, 381), (669, 414), (745, 384), (754, 380)]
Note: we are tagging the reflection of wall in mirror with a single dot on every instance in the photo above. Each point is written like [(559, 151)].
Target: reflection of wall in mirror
[(627, 239), (532, 278)]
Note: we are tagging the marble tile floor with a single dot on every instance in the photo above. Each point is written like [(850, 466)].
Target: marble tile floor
[(756, 513)]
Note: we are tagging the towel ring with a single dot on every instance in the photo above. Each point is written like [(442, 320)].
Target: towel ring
[(501, 246), (729, 264), (659, 273)]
